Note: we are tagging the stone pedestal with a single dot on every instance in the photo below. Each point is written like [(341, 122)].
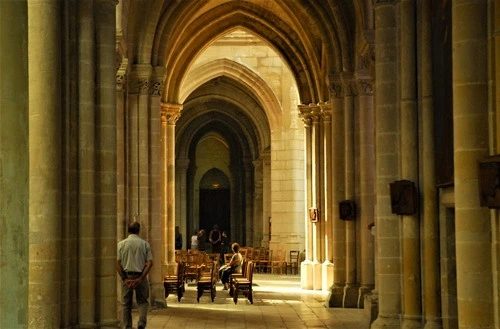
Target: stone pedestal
[(306, 275), (327, 275), (335, 297), (317, 275), (350, 296)]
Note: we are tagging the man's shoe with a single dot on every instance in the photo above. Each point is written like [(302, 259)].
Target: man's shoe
[(141, 327)]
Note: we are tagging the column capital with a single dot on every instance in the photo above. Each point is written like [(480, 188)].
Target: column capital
[(364, 87), (305, 112), (156, 81), (170, 112), (140, 79), (348, 84), (335, 86), (326, 110)]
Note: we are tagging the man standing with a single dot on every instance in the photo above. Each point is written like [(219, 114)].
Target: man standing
[(215, 239), (133, 262)]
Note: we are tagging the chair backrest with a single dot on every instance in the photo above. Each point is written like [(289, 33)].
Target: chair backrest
[(280, 255), (180, 271), (294, 256), (249, 272), (244, 267), (243, 252)]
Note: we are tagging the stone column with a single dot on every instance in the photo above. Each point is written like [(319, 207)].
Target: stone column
[(317, 185), (169, 115), (259, 219), (181, 167), (44, 37), (105, 15), (266, 186), (151, 196), (366, 182), (476, 302), (138, 107), (430, 218), (249, 199), (121, 146), (387, 131), (351, 287), (86, 166), (412, 303), (14, 163), (306, 267), (336, 297), (237, 227), (327, 216)]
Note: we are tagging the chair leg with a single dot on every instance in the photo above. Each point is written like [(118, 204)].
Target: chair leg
[(250, 296), (235, 296)]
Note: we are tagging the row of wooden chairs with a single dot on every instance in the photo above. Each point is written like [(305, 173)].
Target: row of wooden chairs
[(242, 282), (267, 262)]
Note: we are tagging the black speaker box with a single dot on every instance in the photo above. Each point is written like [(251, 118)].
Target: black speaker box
[(347, 210)]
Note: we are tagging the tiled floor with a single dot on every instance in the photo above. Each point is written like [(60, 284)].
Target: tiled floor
[(278, 303)]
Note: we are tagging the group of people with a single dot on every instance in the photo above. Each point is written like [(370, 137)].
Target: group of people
[(135, 259)]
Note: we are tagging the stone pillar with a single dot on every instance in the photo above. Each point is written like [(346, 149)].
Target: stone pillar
[(351, 287), (86, 167), (336, 297), (169, 115), (266, 186), (237, 227), (44, 37), (430, 218), (151, 197), (366, 183), (14, 163), (327, 216), (259, 220), (105, 15), (181, 167), (470, 114), (306, 267), (121, 146), (387, 132), (138, 107), (249, 199), (412, 303), (317, 185)]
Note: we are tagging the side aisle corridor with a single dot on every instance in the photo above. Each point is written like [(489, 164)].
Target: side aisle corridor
[(278, 303)]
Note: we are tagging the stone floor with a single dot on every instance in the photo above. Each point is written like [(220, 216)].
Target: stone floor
[(278, 303)]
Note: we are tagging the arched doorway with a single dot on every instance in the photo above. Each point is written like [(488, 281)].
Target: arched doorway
[(215, 201)]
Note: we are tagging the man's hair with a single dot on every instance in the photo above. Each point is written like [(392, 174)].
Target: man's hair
[(134, 228)]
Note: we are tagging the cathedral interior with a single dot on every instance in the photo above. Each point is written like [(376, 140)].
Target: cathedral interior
[(361, 132)]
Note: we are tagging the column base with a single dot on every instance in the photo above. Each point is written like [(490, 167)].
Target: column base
[(385, 322), (168, 269), (158, 295), (335, 297), (350, 296), (327, 279), (433, 324), (363, 291), (306, 275), (412, 322), (370, 305), (318, 275)]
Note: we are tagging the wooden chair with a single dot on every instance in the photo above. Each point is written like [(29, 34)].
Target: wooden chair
[(243, 285), (227, 258), (264, 262), (238, 275), (175, 283), (194, 265), (278, 262), (208, 282), (293, 263), (243, 252)]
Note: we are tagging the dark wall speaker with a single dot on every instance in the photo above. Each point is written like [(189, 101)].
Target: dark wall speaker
[(403, 197), (347, 210), (489, 182)]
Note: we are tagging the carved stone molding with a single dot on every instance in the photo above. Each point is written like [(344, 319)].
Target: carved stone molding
[(139, 85), (326, 110), (155, 88), (365, 87), (170, 113), (305, 112), (121, 74), (335, 86)]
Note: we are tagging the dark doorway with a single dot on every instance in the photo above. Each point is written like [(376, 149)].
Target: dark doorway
[(215, 209)]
